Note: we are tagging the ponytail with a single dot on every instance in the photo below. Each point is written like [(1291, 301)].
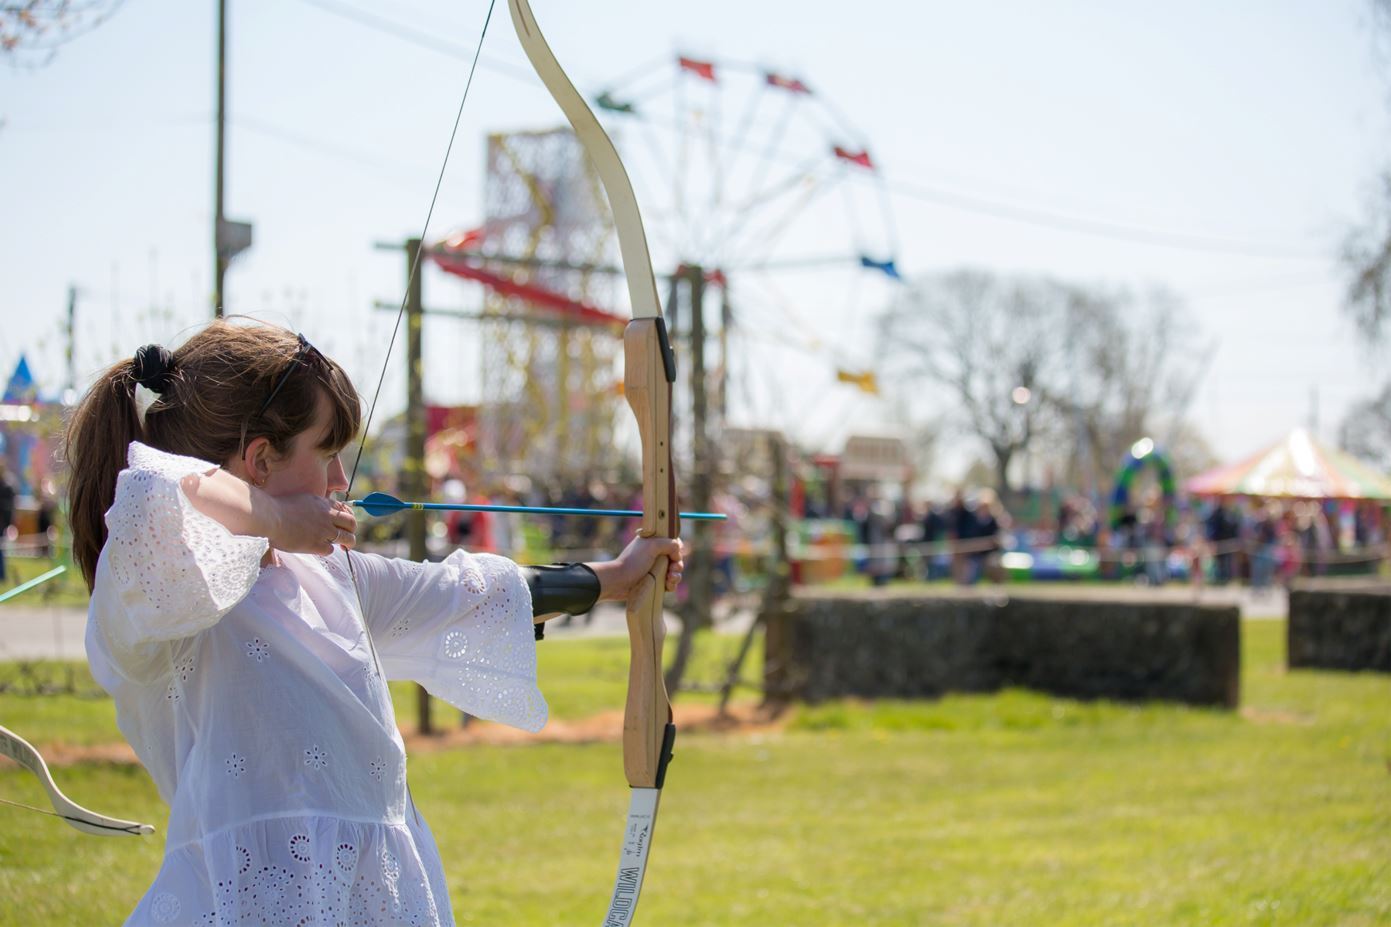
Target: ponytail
[(98, 435), (212, 399)]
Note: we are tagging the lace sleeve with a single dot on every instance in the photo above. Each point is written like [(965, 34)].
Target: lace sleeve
[(462, 628), (174, 571)]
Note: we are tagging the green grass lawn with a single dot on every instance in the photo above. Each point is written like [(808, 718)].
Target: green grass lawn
[(1007, 809)]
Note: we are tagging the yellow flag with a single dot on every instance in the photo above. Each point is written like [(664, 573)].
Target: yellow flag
[(864, 379)]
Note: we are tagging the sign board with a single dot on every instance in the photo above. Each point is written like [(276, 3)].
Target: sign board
[(232, 238)]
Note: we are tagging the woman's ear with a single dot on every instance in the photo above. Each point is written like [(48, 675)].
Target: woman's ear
[(255, 461)]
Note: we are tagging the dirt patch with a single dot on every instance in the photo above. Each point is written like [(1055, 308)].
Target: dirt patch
[(606, 727), (65, 754), (1274, 716)]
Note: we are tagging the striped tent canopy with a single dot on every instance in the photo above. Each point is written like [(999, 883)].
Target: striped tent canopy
[(1296, 468)]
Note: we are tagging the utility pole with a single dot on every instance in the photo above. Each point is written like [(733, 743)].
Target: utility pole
[(702, 477), (230, 237), (413, 472), (773, 612), (726, 319), (70, 393), (699, 572), (219, 258)]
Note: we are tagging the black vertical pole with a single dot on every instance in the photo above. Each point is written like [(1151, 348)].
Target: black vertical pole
[(219, 257)]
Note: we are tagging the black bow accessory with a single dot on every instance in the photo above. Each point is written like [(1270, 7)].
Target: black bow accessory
[(154, 367)]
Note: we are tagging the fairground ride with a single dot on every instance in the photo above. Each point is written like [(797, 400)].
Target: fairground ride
[(753, 187)]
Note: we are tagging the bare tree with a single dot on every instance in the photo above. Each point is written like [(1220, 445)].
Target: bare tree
[(32, 30), (1366, 431), (993, 343), (1135, 363), (1366, 257), (1366, 251), (1072, 376)]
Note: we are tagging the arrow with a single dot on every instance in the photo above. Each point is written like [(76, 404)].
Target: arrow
[(380, 503)]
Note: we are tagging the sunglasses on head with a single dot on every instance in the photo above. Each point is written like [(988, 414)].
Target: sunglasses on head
[(302, 355)]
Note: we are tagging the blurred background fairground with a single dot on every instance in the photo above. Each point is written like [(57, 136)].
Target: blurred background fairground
[(1038, 354)]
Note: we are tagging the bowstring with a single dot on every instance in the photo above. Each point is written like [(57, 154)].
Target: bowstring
[(124, 829), (415, 264), (400, 313)]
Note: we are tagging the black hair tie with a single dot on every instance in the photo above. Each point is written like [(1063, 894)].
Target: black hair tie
[(154, 367)]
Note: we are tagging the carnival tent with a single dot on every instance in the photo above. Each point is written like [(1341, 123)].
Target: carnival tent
[(1296, 468)]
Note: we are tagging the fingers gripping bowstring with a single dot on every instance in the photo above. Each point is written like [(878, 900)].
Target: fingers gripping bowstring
[(400, 313)]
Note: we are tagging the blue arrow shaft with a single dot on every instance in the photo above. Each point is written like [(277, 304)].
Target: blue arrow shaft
[(527, 509)]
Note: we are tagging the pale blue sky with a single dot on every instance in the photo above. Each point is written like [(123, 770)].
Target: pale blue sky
[(1222, 148)]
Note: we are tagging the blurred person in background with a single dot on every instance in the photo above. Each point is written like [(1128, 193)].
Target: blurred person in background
[(1265, 546), (991, 523), (935, 529), (7, 495)]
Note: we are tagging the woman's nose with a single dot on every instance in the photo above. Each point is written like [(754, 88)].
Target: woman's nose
[(337, 476)]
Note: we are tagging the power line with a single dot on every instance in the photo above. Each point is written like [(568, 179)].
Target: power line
[(420, 38), (1097, 227), (997, 209)]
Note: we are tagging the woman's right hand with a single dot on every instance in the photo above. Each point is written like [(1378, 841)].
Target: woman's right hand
[(304, 523), (296, 523)]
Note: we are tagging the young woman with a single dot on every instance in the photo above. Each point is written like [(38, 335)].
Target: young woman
[(248, 650)]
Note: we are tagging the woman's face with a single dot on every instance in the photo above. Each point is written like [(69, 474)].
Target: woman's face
[(308, 467)]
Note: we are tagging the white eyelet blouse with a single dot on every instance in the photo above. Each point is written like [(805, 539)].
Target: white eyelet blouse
[(252, 697)]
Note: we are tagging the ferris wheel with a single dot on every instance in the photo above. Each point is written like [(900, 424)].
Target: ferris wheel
[(750, 182), (752, 175)]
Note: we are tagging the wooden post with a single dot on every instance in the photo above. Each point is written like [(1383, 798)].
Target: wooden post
[(773, 612), (695, 613), (413, 471), (701, 573)]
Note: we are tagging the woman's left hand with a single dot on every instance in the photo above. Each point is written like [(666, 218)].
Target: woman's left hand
[(618, 577)]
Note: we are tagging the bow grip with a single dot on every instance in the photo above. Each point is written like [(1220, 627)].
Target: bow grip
[(649, 370)]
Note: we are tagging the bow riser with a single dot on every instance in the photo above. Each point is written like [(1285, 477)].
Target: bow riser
[(648, 373)]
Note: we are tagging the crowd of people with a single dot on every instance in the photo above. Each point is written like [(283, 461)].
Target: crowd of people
[(1255, 541), (1263, 542), (962, 538)]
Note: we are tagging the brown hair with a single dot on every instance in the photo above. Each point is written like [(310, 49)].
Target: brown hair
[(212, 407)]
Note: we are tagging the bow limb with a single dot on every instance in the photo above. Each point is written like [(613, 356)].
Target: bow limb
[(25, 754), (89, 822), (649, 370)]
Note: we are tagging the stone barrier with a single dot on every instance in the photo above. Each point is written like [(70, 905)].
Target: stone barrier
[(1341, 625), (890, 644)]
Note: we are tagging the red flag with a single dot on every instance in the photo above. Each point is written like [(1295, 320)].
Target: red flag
[(860, 157), (783, 82), (465, 239), (702, 69)]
